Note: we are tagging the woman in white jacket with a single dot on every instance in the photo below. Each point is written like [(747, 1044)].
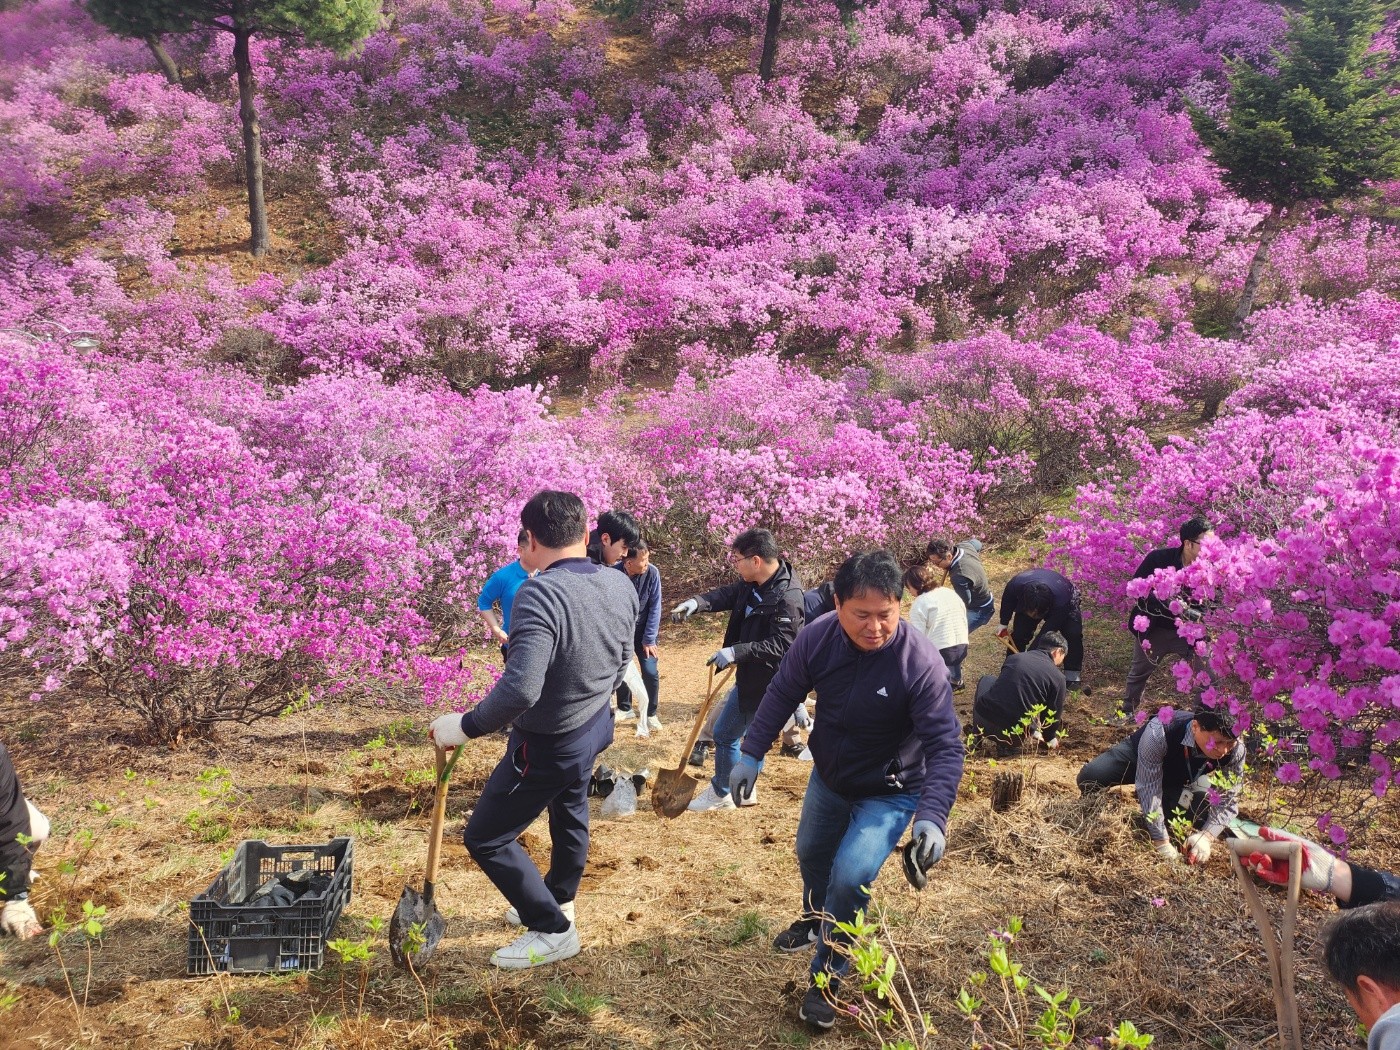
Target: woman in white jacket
[(940, 616)]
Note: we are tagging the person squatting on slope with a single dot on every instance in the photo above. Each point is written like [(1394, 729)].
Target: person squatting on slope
[(1152, 621), (499, 589), (887, 747), (646, 579), (23, 829), (939, 615), (765, 614), (1027, 699), (571, 638), (1176, 767), (1043, 599)]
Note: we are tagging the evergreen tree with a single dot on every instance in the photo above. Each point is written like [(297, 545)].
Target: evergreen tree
[(1317, 128), (336, 23)]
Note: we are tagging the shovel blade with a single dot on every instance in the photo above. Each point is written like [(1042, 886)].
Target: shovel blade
[(415, 930), (672, 792)]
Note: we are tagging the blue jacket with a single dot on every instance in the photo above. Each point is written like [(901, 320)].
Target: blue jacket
[(648, 587), (885, 719)]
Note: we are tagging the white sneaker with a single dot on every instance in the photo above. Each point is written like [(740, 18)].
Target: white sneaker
[(653, 722), (513, 916), (533, 948), (626, 716), (752, 800), (710, 799)]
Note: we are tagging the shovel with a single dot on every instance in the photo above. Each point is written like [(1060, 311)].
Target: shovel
[(1010, 645), (1278, 947), (675, 787), (417, 926)]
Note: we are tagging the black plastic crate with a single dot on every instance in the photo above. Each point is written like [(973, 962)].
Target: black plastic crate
[(231, 936)]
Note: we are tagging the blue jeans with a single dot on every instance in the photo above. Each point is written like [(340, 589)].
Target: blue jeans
[(730, 728), (980, 617), (841, 846)]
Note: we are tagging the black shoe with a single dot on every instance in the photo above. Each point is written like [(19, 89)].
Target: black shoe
[(698, 754), (792, 750), (959, 686), (800, 936), (815, 1010)]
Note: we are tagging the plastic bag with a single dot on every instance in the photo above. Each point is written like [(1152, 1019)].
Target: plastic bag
[(622, 800)]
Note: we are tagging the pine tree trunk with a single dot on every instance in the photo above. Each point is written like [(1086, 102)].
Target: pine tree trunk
[(252, 143), (163, 59), (1268, 230), (770, 40)]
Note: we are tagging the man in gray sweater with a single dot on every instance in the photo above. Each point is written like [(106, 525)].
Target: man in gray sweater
[(570, 641)]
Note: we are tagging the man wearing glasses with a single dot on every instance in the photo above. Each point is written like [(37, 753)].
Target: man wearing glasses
[(765, 614)]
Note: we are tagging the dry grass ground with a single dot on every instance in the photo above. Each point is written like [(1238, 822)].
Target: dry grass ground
[(676, 916)]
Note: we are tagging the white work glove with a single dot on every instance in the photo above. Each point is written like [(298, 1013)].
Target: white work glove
[(1198, 845), (18, 920), (722, 658), (1167, 851), (685, 610), (1053, 744), (446, 731), (1319, 866)]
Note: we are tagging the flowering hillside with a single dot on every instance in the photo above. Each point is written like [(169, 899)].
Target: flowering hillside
[(951, 262)]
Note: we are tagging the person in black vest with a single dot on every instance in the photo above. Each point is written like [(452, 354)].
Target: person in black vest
[(963, 564), (765, 614), (1177, 767), (1043, 600), (1004, 705), (1152, 621)]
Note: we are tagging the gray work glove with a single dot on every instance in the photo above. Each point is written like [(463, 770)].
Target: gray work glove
[(685, 610), (743, 777), (722, 658), (928, 844)]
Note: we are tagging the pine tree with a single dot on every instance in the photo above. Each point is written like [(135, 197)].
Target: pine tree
[(1317, 128), (336, 23)]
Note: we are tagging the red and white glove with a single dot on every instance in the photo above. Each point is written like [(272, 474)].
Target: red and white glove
[(1198, 845), (1319, 866), (18, 920)]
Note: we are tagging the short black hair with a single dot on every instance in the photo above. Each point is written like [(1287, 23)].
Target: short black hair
[(556, 519), (521, 538), (619, 525), (1365, 942), (871, 571), (1051, 640), (757, 542), (1036, 598), (938, 547), (640, 547), (1194, 528), (1215, 720)]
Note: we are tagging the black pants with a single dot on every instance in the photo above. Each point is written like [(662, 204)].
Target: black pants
[(1024, 632), (539, 773)]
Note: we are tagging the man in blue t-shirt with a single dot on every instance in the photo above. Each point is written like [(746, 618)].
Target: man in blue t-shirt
[(500, 589)]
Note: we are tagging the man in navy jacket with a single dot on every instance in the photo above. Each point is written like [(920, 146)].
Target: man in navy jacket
[(887, 748), (1042, 600)]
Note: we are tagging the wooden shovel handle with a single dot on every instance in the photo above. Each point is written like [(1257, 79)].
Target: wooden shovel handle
[(1008, 643), (712, 691), (443, 767), (1280, 950)]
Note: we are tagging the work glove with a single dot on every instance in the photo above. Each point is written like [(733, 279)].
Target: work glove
[(743, 777), (928, 844), (1198, 845), (1318, 865), (446, 731), (1005, 632), (18, 920), (685, 610), (1167, 851), (802, 717), (722, 658), (1053, 744)]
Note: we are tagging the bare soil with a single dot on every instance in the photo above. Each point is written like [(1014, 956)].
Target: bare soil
[(676, 916)]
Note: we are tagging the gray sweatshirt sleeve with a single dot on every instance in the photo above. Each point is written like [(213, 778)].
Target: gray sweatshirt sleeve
[(533, 643)]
